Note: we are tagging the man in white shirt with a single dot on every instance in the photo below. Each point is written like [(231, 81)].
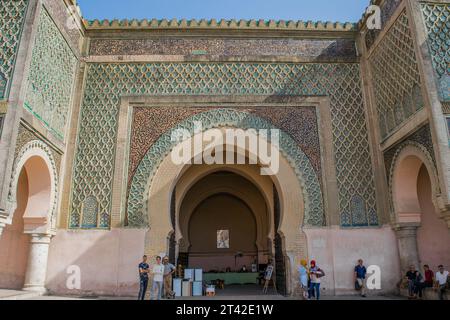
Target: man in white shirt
[(158, 274), (441, 280)]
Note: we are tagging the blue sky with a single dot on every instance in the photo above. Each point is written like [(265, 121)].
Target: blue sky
[(325, 10)]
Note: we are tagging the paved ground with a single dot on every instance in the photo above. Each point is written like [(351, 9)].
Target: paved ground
[(236, 293)]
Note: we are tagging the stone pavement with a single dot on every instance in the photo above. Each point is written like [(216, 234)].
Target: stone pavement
[(24, 295)]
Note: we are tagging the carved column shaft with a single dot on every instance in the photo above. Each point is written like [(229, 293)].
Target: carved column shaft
[(407, 246), (37, 263)]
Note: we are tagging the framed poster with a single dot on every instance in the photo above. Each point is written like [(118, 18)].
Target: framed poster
[(223, 239)]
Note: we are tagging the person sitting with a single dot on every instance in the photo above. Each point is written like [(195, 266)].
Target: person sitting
[(442, 277), (243, 269), (412, 277), (429, 277)]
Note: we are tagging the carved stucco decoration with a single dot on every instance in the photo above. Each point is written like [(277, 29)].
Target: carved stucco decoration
[(137, 209)]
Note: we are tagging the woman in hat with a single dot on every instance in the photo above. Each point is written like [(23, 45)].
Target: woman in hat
[(303, 278)]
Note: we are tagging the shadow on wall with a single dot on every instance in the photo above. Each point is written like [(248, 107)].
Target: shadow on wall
[(108, 261)]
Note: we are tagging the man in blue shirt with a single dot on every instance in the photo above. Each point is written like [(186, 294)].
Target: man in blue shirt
[(360, 277), (143, 277)]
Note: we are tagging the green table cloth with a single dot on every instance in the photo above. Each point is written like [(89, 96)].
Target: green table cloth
[(232, 277)]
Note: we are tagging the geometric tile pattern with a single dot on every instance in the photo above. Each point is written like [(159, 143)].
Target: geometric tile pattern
[(396, 78), (51, 76), (137, 210), (437, 22), (387, 11), (106, 83), (12, 17)]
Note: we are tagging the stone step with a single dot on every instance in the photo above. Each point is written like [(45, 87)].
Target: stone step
[(6, 294)]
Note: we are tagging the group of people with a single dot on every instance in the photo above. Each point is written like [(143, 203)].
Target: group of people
[(162, 278), (310, 278), (418, 282)]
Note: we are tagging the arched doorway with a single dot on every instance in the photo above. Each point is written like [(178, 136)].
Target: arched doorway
[(433, 237), (14, 243), (170, 176), (422, 233), (224, 201), (24, 241)]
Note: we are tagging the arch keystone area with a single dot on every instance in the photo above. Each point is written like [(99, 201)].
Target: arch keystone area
[(224, 117)]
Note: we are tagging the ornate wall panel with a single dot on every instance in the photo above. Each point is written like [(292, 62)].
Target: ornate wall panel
[(387, 10), (396, 77), (437, 22), (107, 82), (60, 14), (12, 17), (137, 211), (51, 76)]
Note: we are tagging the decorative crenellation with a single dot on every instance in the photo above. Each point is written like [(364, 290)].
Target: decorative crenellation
[(106, 83), (12, 18), (51, 76), (308, 179), (396, 78), (437, 21), (215, 24)]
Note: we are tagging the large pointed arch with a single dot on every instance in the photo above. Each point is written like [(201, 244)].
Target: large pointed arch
[(225, 117)]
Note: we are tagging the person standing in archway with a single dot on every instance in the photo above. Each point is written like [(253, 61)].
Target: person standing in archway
[(169, 270)]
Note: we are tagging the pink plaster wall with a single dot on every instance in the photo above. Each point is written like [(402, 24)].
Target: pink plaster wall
[(433, 236), (108, 261), (337, 251), (14, 244)]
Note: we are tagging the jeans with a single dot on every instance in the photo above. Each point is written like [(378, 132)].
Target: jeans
[(410, 288), (142, 288), (156, 286), (314, 290), (441, 291), (418, 288)]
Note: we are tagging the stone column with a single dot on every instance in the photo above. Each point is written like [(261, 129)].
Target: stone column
[(407, 245), (37, 263)]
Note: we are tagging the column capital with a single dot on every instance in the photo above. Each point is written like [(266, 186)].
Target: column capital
[(406, 230), (43, 238)]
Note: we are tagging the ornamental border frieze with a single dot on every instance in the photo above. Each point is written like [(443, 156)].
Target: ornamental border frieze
[(336, 50)]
